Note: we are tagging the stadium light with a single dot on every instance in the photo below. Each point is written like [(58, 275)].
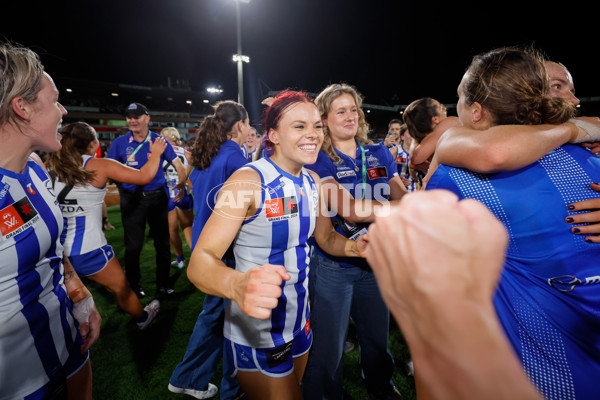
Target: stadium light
[(241, 57), (238, 57), (214, 90)]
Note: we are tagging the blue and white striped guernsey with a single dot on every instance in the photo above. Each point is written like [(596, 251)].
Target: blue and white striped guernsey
[(82, 211), (36, 325), (171, 174), (277, 234)]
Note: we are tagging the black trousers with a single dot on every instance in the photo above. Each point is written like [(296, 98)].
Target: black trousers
[(137, 209)]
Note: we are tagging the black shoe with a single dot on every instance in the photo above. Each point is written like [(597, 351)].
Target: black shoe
[(139, 291), (389, 393)]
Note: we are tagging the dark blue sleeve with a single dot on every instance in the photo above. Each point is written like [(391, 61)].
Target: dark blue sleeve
[(235, 162), (113, 151), (323, 166), (169, 154)]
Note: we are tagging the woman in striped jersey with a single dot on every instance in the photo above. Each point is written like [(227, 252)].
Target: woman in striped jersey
[(270, 209), (181, 213), (48, 320), (79, 181)]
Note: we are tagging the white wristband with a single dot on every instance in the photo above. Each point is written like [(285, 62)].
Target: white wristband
[(83, 309), (591, 132)]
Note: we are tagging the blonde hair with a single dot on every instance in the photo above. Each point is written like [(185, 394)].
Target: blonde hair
[(21, 74), (173, 134), (323, 102)]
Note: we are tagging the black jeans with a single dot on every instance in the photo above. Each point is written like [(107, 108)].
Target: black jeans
[(137, 208)]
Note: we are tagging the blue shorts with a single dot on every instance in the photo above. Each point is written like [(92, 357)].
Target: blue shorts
[(56, 388), (76, 361), (93, 262), (186, 203), (275, 362)]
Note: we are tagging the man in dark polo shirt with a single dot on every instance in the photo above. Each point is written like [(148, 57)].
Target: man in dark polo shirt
[(147, 203)]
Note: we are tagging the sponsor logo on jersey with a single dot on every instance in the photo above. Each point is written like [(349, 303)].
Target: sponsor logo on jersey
[(281, 208), (568, 283), (4, 187), (276, 188), (65, 208), (30, 189), (17, 217), (378, 172), (50, 188), (343, 174)]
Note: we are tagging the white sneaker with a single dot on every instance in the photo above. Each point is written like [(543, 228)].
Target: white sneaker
[(199, 394), (152, 309), (178, 264)]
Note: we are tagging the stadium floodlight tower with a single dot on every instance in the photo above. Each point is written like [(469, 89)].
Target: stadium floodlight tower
[(239, 57)]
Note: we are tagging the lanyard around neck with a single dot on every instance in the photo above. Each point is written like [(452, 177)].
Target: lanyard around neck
[(139, 146), (364, 170)]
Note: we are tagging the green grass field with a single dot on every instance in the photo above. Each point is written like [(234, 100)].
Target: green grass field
[(133, 364)]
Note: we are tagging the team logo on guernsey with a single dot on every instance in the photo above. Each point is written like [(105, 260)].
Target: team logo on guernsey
[(17, 217), (281, 208), (372, 161), (379, 172)]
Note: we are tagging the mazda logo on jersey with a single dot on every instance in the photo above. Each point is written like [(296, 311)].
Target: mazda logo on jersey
[(281, 208), (17, 217), (377, 172)]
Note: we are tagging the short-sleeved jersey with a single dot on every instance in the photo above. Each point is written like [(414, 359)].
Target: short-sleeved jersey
[(81, 206), (171, 174), (380, 168), (36, 325), (277, 234), (248, 155), (402, 160), (123, 149), (207, 183), (548, 299)]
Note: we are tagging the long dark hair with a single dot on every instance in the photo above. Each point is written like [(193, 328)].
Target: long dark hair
[(66, 164), (418, 115), (214, 131)]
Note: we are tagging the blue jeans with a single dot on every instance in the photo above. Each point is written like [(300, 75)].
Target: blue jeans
[(205, 349), (337, 293)]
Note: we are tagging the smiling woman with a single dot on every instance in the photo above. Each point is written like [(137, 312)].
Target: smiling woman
[(266, 320), (43, 300), (358, 177)]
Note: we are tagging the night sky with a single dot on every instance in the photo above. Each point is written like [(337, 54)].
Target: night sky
[(392, 51)]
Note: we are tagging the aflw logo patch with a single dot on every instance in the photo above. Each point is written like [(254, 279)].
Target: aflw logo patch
[(17, 217), (281, 208), (378, 172)]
